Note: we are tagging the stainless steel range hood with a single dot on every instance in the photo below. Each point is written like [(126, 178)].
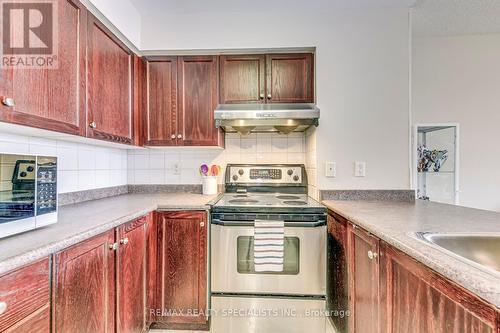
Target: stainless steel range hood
[(252, 118)]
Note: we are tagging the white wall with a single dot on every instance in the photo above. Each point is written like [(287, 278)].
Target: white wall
[(123, 15), (457, 79), (80, 166), (361, 66)]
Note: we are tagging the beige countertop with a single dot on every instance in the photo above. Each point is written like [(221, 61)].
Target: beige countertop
[(83, 220), (397, 222)]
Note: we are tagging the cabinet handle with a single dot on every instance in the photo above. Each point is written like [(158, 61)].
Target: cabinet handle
[(3, 307), (179, 136), (124, 241), (269, 96), (93, 125), (8, 101), (261, 96), (372, 255), (113, 246), (172, 136), (202, 224)]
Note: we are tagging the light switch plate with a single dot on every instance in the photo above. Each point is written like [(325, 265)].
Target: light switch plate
[(330, 169), (359, 169)]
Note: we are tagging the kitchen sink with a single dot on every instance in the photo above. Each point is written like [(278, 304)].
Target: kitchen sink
[(482, 250)]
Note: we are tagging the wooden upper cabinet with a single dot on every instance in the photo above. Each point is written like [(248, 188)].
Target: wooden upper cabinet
[(242, 79), (363, 275), (110, 85), (182, 256), (52, 99), (290, 78), (84, 286), (197, 100), (160, 102), (131, 276)]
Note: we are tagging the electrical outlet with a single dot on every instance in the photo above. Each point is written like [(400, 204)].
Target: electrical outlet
[(359, 169), (330, 169), (177, 169)]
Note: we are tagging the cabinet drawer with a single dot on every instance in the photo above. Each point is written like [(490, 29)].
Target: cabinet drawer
[(22, 292)]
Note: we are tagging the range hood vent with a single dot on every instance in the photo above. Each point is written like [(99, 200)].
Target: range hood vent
[(262, 118)]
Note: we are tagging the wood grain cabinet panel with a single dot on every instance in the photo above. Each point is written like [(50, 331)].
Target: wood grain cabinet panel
[(110, 85), (419, 300), (363, 276), (84, 287), (242, 79), (198, 90), (290, 78), (337, 286), (52, 99), (183, 269), (160, 107), (131, 276), (24, 292)]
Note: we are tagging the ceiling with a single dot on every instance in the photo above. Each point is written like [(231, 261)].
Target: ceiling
[(197, 6), (429, 17), (455, 17)]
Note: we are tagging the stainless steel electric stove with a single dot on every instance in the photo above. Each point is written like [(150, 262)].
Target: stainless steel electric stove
[(268, 193)]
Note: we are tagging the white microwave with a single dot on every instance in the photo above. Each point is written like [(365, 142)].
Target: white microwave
[(28, 192)]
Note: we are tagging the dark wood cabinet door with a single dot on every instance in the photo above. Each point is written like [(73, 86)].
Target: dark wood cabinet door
[(54, 98), (290, 78), (131, 276), (419, 300), (153, 271), (242, 79), (25, 296), (197, 99), (160, 108), (183, 265), (337, 278), (110, 85), (363, 272), (84, 287)]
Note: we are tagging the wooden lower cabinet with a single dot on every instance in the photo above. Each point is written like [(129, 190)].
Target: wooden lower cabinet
[(131, 275), (100, 283), (363, 280), (418, 300), (84, 286), (25, 299), (390, 292), (337, 283), (182, 262)]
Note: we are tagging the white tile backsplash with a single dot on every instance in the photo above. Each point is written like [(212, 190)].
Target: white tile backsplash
[(143, 165), (80, 166)]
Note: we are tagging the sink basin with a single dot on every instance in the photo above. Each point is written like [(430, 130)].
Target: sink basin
[(480, 249)]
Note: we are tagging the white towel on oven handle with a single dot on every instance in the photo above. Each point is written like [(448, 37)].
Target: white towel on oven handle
[(269, 242)]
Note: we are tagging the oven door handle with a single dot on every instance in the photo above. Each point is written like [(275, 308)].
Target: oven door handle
[(251, 224)]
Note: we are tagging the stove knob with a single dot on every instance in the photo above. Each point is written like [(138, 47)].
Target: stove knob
[(290, 172), (235, 177), (241, 172), (296, 178)]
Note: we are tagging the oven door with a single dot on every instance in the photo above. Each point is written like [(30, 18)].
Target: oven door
[(304, 267)]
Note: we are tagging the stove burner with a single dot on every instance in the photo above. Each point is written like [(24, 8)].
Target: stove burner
[(287, 197), (243, 201), (295, 203)]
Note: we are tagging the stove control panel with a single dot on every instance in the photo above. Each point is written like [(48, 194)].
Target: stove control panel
[(264, 174)]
